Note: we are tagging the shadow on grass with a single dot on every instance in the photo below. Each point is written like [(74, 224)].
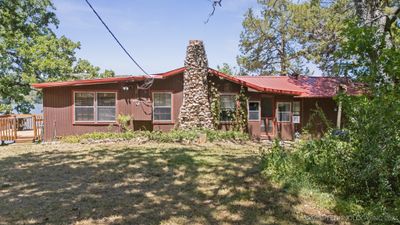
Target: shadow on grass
[(140, 186)]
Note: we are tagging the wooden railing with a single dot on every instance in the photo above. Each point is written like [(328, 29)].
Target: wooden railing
[(8, 129), (30, 127), (38, 126)]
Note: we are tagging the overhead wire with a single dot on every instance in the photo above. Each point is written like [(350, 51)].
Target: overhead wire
[(148, 82)]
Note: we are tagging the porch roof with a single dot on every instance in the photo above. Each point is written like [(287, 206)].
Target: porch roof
[(308, 86)]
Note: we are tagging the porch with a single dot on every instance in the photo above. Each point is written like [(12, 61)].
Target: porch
[(21, 128)]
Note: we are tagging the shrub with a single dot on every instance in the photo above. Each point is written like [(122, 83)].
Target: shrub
[(123, 121), (158, 136), (334, 165)]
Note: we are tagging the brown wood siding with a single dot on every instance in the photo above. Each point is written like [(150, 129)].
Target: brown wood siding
[(58, 111), (58, 108), (172, 84), (329, 107)]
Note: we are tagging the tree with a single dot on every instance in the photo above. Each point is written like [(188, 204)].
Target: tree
[(227, 69), (30, 51), (83, 69), (268, 44), (382, 14), (319, 28)]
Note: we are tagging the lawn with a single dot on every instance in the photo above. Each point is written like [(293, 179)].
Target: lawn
[(126, 183)]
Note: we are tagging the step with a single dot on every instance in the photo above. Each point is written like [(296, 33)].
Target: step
[(24, 140)]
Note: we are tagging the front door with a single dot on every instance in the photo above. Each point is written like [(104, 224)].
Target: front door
[(267, 116)]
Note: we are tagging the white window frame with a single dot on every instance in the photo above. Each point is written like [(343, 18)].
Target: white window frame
[(259, 110), (296, 114), (105, 107), (95, 107), (226, 94), (171, 106), (277, 112)]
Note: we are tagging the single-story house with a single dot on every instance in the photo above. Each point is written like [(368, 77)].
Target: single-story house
[(278, 106)]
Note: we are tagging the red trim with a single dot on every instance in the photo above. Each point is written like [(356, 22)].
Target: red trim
[(88, 82), (163, 76), (169, 73), (232, 79)]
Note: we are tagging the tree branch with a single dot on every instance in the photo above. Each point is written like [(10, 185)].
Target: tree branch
[(215, 3)]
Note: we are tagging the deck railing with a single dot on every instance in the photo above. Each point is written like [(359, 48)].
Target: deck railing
[(38, 126), (8, 129), (11, 125)]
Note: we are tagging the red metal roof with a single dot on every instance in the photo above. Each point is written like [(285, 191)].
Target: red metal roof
[(88, 82), (303, 86), (255, 86), (308, 86), (232, 79)]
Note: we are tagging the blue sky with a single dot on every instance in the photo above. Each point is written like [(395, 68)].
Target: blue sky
[(156, 32)]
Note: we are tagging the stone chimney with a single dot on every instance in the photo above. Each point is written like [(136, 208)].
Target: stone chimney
[(195, 111)]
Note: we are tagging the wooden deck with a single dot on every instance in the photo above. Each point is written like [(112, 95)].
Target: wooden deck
[(21, 128)]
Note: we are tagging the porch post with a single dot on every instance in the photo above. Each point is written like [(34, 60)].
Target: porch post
[(339, 115), (34, 127)]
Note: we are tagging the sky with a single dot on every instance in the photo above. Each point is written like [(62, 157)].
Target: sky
[(155, 32)]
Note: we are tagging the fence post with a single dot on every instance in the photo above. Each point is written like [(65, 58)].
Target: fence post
[(15, 127), (34, 127)]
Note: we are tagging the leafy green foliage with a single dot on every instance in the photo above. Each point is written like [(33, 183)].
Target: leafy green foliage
[(228, 69), (123, 121), (31, 52), (318, 29), (318, 123), (215, 103), (241, 114), (158, 136), (85, 70), (330, 165), (363, 169), (284, 35), (5, 109)]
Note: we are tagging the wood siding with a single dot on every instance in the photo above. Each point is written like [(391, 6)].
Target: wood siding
[(58, 108)]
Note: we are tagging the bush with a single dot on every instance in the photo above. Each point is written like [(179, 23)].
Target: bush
[(339, 167), (158, 136)]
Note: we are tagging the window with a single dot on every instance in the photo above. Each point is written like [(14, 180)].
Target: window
[(89, 104), (228, 106), (296, 112), (296, 108), (84, 106), (162, 109), (254, 111), (283, 112), (105, 107)]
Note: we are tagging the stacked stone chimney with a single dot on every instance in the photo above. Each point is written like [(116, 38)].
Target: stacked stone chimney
[(195, 111)]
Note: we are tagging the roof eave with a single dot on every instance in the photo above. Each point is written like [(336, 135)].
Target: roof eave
[(256, 87), (87, 82)]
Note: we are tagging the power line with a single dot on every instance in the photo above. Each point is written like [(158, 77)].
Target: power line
[(116, 39)]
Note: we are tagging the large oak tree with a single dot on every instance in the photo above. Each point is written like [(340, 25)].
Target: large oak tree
[(31, 52)]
